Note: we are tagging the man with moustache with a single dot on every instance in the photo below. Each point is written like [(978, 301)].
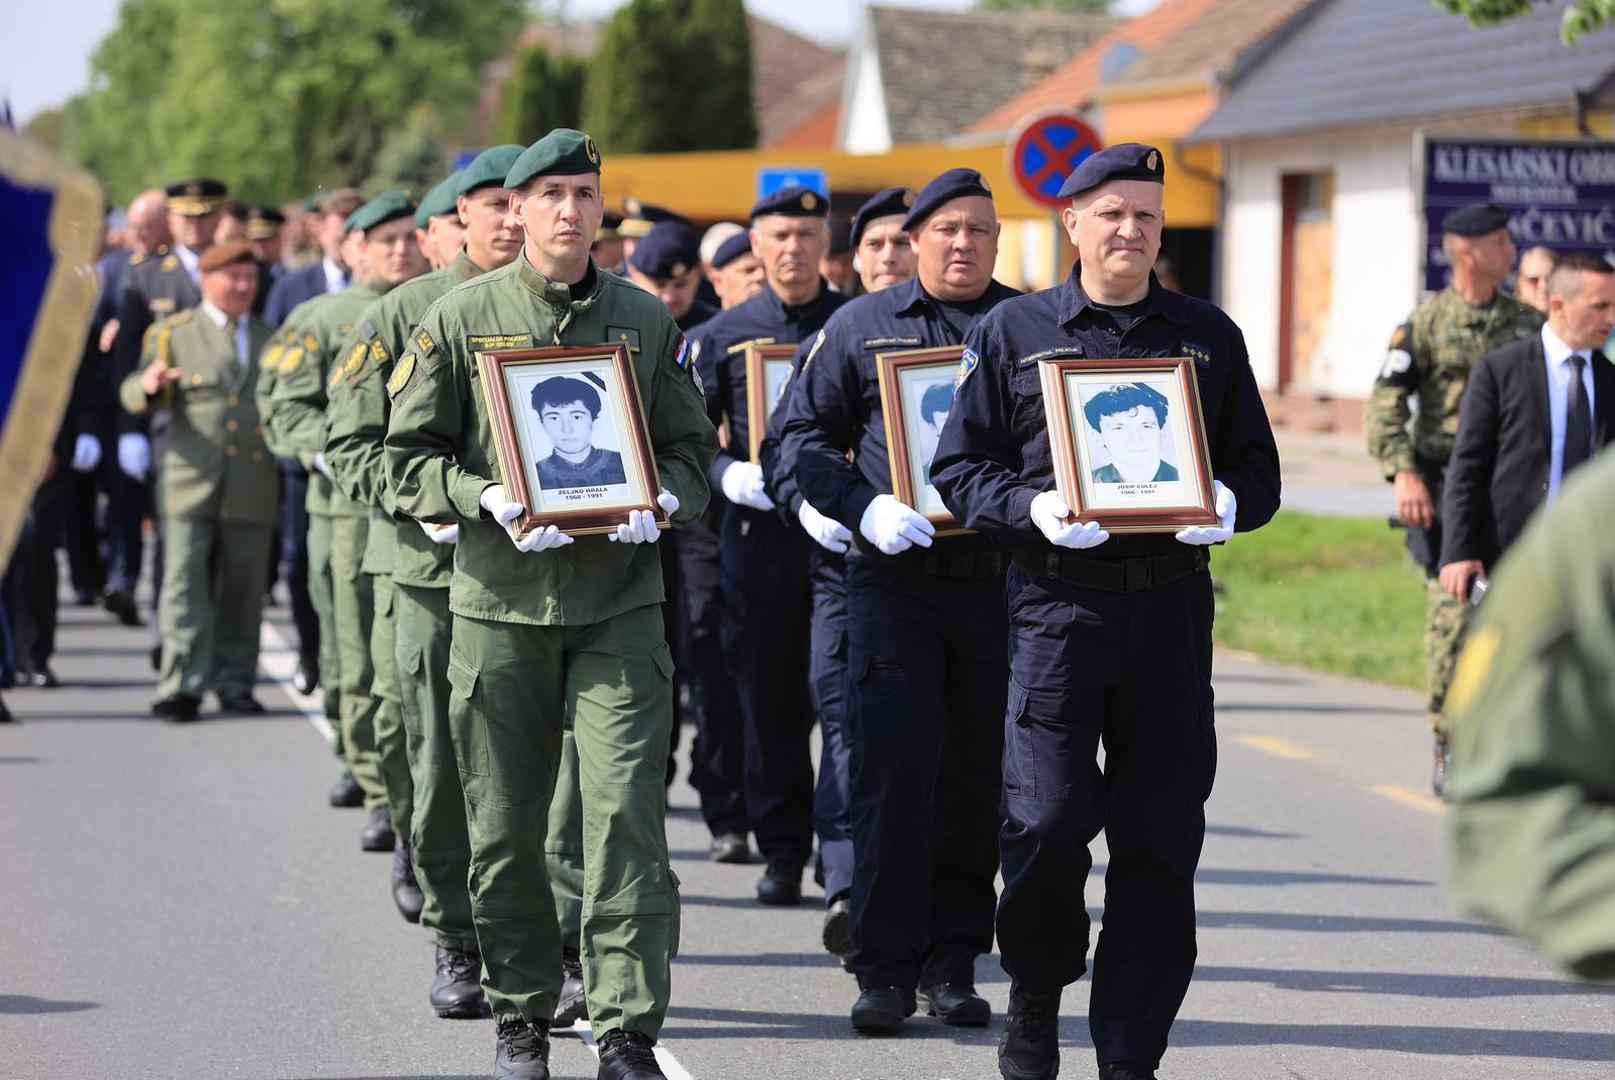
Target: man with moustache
[(767, 598), (412, 562), (1109, 638), (925, 627)]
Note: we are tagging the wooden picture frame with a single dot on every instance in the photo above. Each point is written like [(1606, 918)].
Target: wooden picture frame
[(1129, 442), (909, 379), (767, 369), (617, 472)]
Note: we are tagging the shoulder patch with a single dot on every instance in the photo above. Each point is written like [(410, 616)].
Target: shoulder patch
[(1474, 665), (401, 375), (968, 362), (311, 343), (350, 364), (291, 358), (1400, 337), (137, 258), (818, 343), (170, 262), (270, 359)]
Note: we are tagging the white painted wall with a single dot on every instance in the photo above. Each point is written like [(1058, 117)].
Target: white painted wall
[(864, 127)]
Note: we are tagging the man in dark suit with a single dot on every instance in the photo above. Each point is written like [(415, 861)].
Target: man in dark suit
[(1533, 411), (330, 274)]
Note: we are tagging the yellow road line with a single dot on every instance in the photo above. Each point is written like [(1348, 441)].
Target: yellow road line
[(1278, 747), (1418, 800)]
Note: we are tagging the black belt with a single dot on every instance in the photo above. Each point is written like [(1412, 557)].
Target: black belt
[(1112, 575), (963, 565)]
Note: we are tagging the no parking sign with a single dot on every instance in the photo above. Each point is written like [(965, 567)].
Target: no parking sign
[(1044, 152)]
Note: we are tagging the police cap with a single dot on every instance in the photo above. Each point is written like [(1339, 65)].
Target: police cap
[(610, 222), (194, 198), (489, 168), (731, 249), (953, 184), (668, 251), (1124, 161), (219, 256), (264, 223), (439, 200), (563, 152), (388, 206), (792, 201), (1477, 220), (642, 217), (891, 201), (840, 233)]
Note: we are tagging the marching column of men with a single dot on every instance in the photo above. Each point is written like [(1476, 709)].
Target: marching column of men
[(506, 697)]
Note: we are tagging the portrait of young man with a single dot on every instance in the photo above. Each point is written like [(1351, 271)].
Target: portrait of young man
[(1129, 419), (568, 408)]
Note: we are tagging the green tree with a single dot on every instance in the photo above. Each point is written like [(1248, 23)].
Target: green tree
[(1580, 16), (412, 156), (544, 91), (691, 91), (1098, 6)]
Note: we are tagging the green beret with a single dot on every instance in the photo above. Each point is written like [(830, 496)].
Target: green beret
[(489, 168), (440, 200), (388, 206), (563, 152)]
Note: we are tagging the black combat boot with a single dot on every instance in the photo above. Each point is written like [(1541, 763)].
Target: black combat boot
[(572, 1005), (1125, 1070), (378, 835), (628, 1055), (407, 893), (457, 987), (1030, 1046), (956, 1004), (881, 1010), (780, 885), (837, 933), (524, 1051), (346, 792)]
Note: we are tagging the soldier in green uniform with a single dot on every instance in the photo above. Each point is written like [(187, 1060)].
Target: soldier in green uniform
[(438, 230), (544, 626), (300, 397), (428, 807), (215, 473), (1430, 357), (1532, 831)]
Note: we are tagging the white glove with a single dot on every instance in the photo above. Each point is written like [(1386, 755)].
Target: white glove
[(134, 455), (828, 533), (1226, 506), (505, 512), (743, 486), (323, 466), (86, 453), (1049, 512), (894, 527), (641, 527), (542, 539), (440, 534)]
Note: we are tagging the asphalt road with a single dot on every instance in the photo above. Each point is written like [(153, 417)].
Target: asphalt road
[(180, 902)]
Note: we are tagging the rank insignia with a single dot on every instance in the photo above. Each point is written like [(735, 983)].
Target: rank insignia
[(424, 340)]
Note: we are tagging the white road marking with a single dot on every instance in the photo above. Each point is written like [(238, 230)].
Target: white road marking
[(278, 658)]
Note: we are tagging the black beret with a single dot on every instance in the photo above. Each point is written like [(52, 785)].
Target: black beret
[(667, 251), (1124, 161), (388, 206), (642, 217), (488, 168), (1473, 221), (439, 200), (193, 198), (563, 152), (840, 233), (953, 184), (732, 249), (792, 201), (893, 200)]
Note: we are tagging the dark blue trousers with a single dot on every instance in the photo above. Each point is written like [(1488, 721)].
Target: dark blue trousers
[(127, 505), (827, 672), (294, 558), (924, 723), (1131, 671), (767, 606), (718, 752)]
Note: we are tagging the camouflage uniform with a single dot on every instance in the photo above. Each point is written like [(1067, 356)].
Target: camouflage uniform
[(1430, 356)]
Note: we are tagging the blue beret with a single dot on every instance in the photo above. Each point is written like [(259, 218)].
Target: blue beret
[(563, 152), (792, 201), (893, 200), (1473, 221), (953, 184), (732, 249), (388, 206), (1124, 161), (439, 200), (489, 168), (668, 250)]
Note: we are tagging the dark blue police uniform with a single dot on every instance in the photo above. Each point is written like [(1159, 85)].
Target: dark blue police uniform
[(1111, 644), (767, 596), (926, 657)]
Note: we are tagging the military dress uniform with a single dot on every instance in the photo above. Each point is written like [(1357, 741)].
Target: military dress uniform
[(767, 595), (926, 630), (212, 495), (1430, 356), (1111, 643), (540, 635)]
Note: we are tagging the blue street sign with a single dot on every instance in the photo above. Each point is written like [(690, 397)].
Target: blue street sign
[(771, 178), (462, 159)]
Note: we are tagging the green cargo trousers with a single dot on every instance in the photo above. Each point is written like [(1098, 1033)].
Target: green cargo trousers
[(563, 846), (353, 606), (439, 846), (320, 597), (385, 689), (1446, 622), (512, 687), (211, 605)]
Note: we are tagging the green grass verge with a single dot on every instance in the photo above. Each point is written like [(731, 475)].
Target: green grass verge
[(1333, 593)]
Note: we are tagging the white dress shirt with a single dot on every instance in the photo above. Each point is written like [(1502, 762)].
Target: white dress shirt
[(1557, 355), (190, 260), (336, 278), (221, 320)]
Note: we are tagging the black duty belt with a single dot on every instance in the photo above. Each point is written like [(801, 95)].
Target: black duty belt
[(1112, 575), (962, 565)]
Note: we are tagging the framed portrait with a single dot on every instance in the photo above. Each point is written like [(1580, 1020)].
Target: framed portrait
[(768, 367), (916, 395), (1129, 442), (570, 434)]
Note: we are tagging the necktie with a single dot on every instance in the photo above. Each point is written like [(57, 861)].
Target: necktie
[(1578, 419)]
